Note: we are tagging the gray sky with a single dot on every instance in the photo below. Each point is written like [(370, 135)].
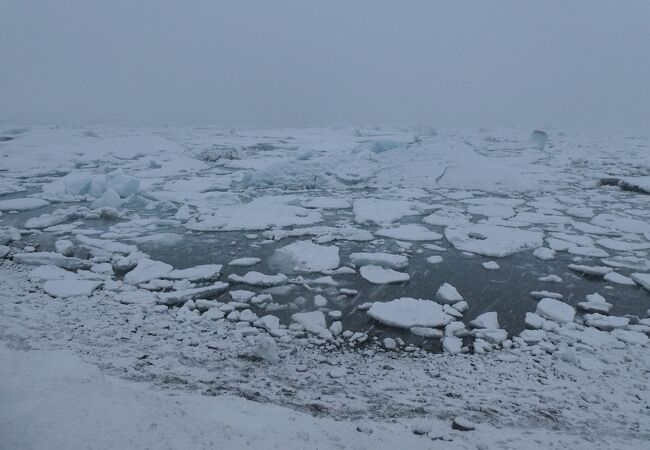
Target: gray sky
[(273, 63)]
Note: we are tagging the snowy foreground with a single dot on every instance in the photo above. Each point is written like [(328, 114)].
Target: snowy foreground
[(323, 288)]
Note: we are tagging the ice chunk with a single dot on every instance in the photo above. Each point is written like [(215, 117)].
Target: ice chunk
[(9, 234), (631, 337), (487, 321), (379, 146), (588, 251), (534, 321), (245, 262), (580, 211), (51, 272), (386, 260), (621, 223), (382, 212), (448, 294), (427, 332), (105, 247), (313, 322), (447, 217), (326, 203), (259, 279), (124, 185), (196, 273), (555, 310), (159, 239), (642, 278), (546, 294), (76, 184), (42, 258), (268, 322), (109, 199), (183, 214), (606, 323), (64, 246), (408, 312), (69, 288), (409, 232), (492, 240), (595, 303), (22, 204), (305, 256), (544, 253), (623, 246), (146, 270), (260, 214), (180, 297), (593, 271), (452, 345), (379, 275), (630, 262), (266, 348), (615, 277), (494, 210), (490, 265), (538, 139), (55, 218), (241, 295)]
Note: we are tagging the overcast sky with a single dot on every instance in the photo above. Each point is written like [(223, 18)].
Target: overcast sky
[(274, 63)]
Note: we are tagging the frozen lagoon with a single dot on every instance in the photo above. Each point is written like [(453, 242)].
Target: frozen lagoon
[(196, 203)]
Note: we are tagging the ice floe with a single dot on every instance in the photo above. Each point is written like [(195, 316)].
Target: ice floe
[(68, 288), (386, 260), (378, 275), (305, 256), (409, 232), (492, 240), (409, 312)]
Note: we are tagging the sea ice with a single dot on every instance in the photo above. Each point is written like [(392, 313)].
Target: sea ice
[(109, 199), (408, 312), (486, 321), (22, 204), (245, 262), (313, 322), (305, 256), (382, 212), (386, 260), (70, 288), (555, 310), (146, 270), (492, 240), (448, 294), (378, 275), (642, 278), (179, 297), (259, 279), (42, 258), (196, 273), (409, 232)]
